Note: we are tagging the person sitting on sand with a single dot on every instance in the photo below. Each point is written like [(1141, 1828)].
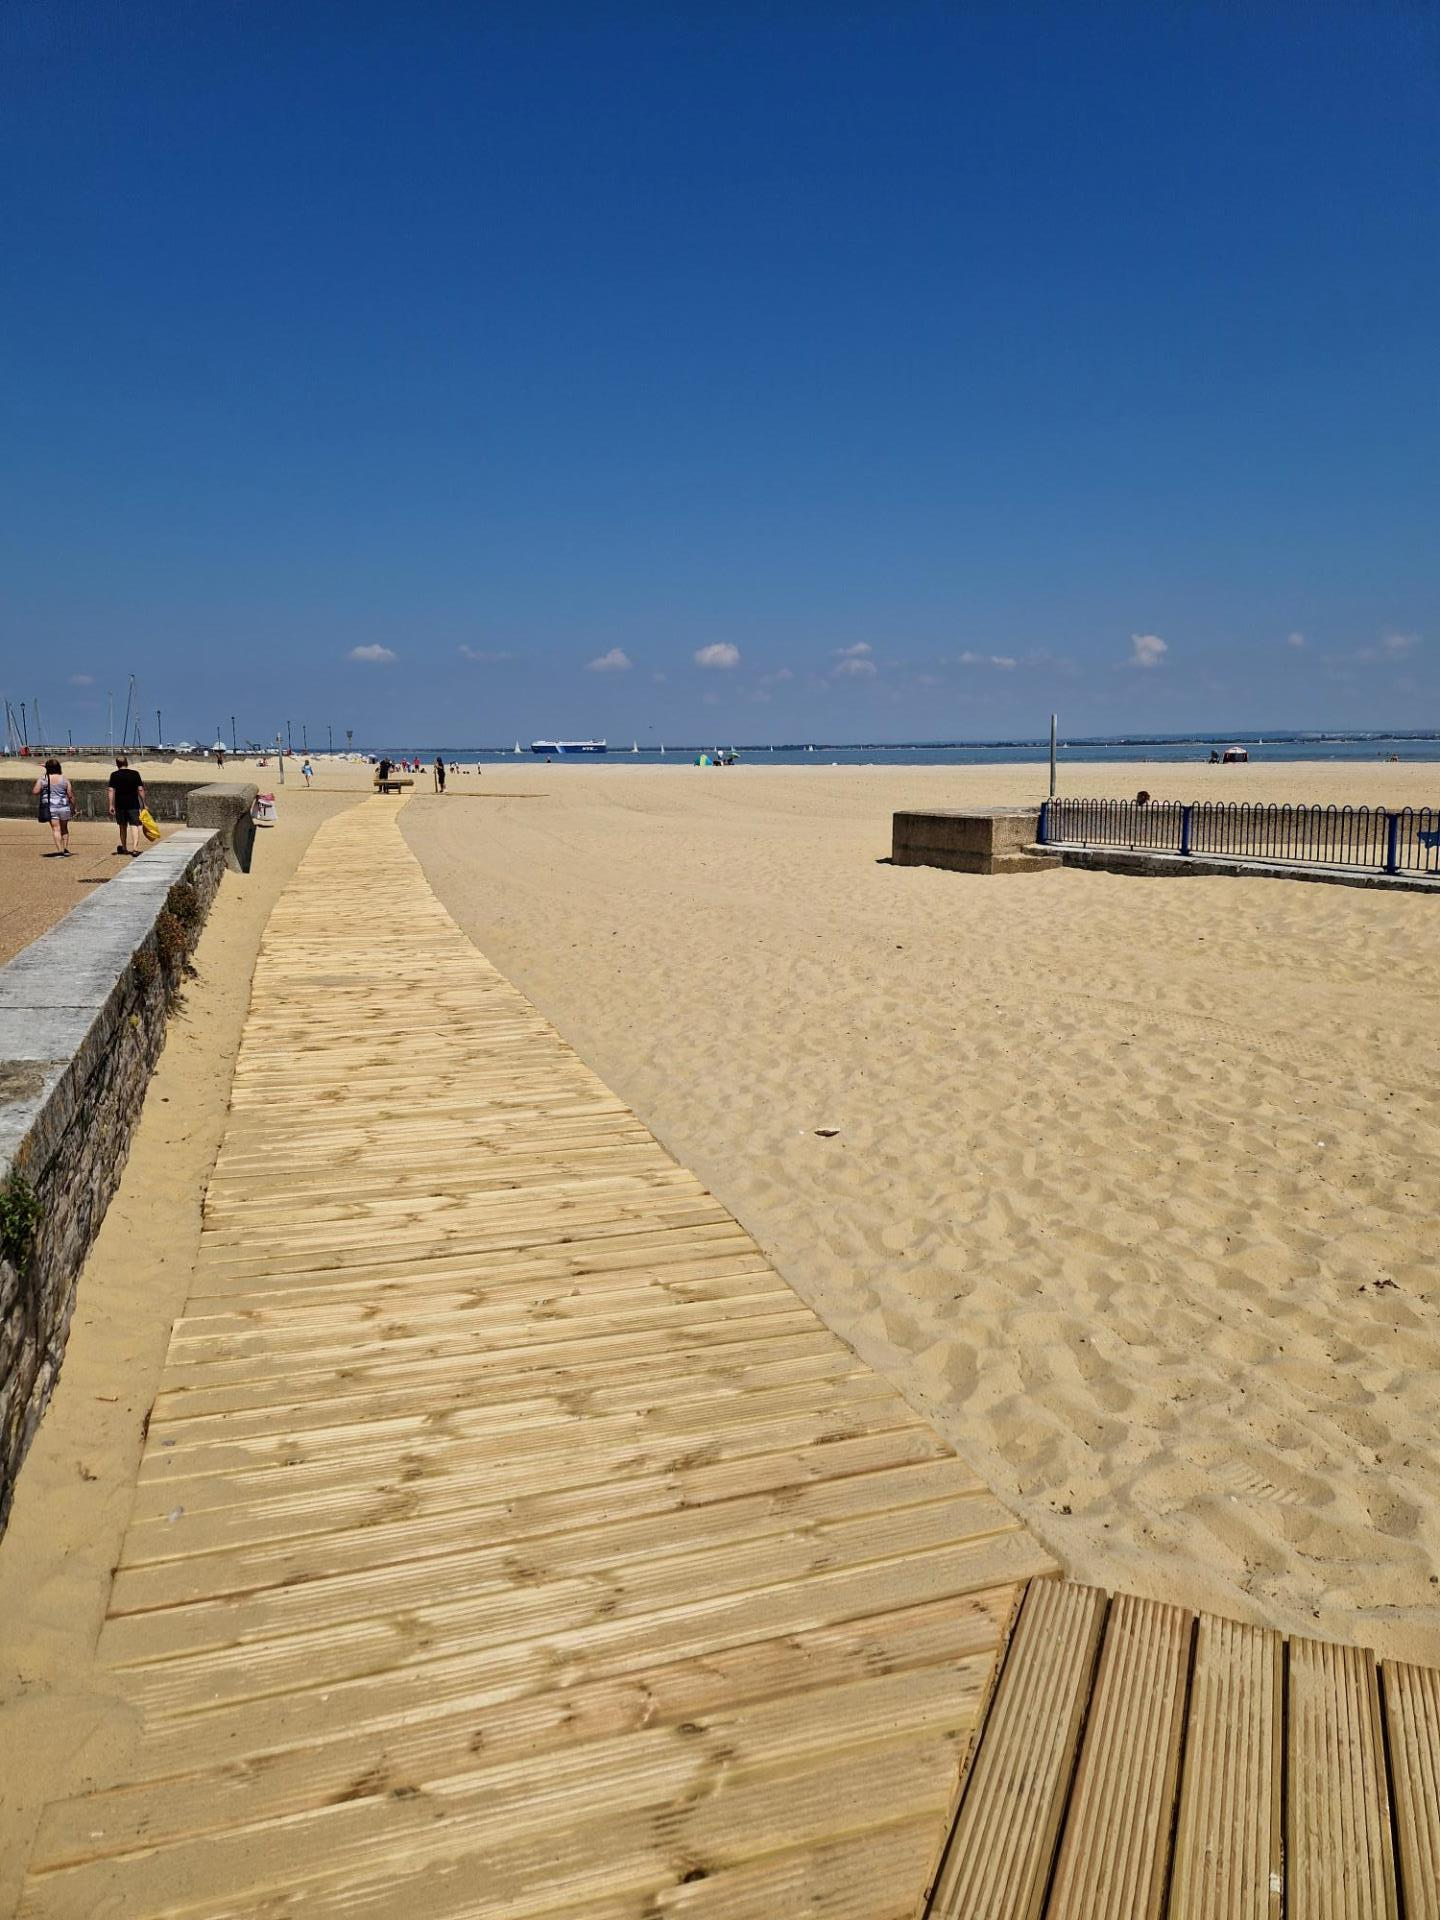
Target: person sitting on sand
[(57, 806)]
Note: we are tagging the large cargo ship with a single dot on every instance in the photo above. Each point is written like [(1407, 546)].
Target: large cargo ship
[(568, 746)]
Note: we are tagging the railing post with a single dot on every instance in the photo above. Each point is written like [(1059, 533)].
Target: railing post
[(1392, 843), (1186, 814), (1044, 826)]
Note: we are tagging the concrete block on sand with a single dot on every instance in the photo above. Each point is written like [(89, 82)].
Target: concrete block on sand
[(972, 840)]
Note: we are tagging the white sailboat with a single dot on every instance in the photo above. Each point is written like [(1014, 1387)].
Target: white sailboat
[(517, 746), (636, 747), (662, 746)]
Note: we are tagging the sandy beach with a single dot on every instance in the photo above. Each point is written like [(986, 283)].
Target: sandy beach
[(1133, 1186), (1132, 1192)]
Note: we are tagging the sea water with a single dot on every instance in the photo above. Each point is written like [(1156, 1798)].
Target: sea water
[(973, 753)]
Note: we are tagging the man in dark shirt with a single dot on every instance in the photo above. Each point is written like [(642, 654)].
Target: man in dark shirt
[(127, 797)]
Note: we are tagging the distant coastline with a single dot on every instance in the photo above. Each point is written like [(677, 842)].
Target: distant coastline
[(1280, 745)]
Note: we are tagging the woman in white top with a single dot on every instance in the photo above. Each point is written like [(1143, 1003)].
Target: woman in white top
[(57, 805)]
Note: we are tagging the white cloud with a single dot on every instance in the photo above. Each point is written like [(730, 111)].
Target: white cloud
[(615, 661), (1394, 646), (377, 656), (857, 652), (1295, 640), (855, 665), (720, 654), (712, 699), (774, 679), (1004, 661), (1147, 650), (659, 678), (82, 679), (482, 658)]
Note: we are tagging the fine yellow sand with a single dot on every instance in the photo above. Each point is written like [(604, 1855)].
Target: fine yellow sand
[(1135, 1183)]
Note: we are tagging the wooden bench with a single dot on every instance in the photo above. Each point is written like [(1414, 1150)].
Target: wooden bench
[(392, 786)]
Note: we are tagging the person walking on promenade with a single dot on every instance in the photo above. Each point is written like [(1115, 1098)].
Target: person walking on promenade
[(127, 797), (439, 774), (307, 770), (57, 805)]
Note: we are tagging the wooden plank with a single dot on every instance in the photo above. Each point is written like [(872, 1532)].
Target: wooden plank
[(860, 1403), (200, 1447), (469, 1570), (574, 1850), (686, 1588), (998, 1862), (545, 1230), (566, 1314), (1115, 1851), (723, 1368), (389, 1687), (468, 1369), (653, 1240), (1412, 1718), (168, 1578), (858, 1610), (326, 1325), (1228, 1843), (593, 1738), (444, 1482), (865, 1877), (1339, 1851)]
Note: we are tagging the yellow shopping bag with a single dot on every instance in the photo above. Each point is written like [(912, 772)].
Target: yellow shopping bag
[(147, 824)]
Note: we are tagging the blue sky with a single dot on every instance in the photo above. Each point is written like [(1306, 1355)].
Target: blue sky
[(786, 371)]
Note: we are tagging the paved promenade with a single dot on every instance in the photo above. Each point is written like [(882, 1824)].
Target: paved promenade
[(510, 1539)]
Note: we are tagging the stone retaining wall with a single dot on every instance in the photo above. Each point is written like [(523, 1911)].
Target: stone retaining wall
[(165, 798), (83, 1012), (1174, 866)]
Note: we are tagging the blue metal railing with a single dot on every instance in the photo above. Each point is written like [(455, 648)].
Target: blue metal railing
[(1403, 840)]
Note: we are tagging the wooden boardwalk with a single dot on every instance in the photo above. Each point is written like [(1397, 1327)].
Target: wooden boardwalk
[(1140, 1763), (510, 1540)]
